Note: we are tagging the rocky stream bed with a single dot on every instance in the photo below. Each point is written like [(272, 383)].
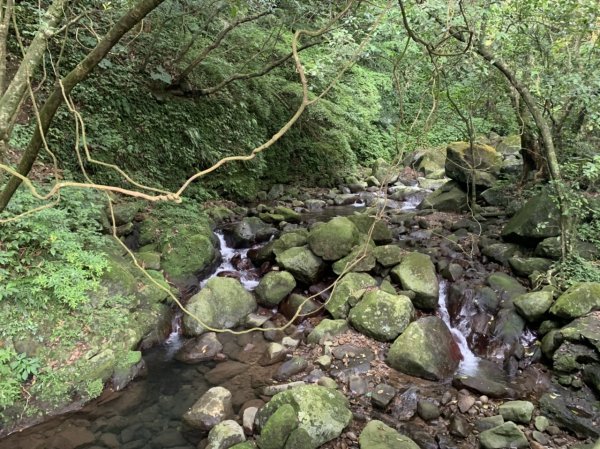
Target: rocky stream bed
[(434, 337)]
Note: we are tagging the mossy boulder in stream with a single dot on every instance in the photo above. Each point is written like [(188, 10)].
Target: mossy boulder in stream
[(578, 300), (249, 231), (380, 233), (425, 349), (532, 306), (536, 220), (322, 413), (360, 259), (382, 316), (417, 273), (388, 255), (302, 263), (289, 240), (275, 286), (480, 163), (347, 293), (223, 303), (334, 239), (448, 198), (377, 435)]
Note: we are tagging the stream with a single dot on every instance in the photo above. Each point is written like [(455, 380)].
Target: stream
[(147, 414)]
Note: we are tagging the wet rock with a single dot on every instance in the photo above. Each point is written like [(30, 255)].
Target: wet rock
[(526, 266), (388, 255), (351, 359), (293, 366), (536, 220), (591, 376), (428, 410), (507, 286), (377, 435), (416, 272), (459, 426), (501, 252), (452, 272), (302, 263), (223, 303), (465, 161), (347, 293), (377, 229), (357, 385), (334, 239), (383, 395), (517, 411), (448, 198), (382, 316), (212, 408), (489, 422), (274, 286), (584, 330), (578, 300), (225, 371), (249, 231), (507, 435), (299, 304), (224, 435), (324, 412), (532, 306), (71, 437), (570, 412), (425, 349), (404, 405), (326, 330), (199, 349), (313, 204), (570, 357), (489, 379)]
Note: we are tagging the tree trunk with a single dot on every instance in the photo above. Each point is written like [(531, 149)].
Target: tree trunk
[(78, 74), (12, 97)]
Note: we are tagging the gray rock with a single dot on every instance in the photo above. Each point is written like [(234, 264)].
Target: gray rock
[(199, 349), (291, 367), (416, 272), (448, 198), (489, 422), (459, 426), (249, 231), (383, 395), (428, 410), (517, 411), (507, 435), (212, 408), (536, 220)]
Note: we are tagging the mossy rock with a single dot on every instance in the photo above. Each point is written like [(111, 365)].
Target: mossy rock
[(289, 240), (125, 212), (578, 300), (223, 303), (526, 266), (388, 255), (377, 435), (506, 435), (334, 239), (302, 263), (347, 293), (448, 198), (275, 286), (532, 306), (481, 163), (149, 260), (585, 329), (186, 257), (416, 272), (538, 219), (381, 233), (323, 413), (289, 215), (327, 329), (425, 349), (382, 316), (278, 428), (507, 286), (361, 259)]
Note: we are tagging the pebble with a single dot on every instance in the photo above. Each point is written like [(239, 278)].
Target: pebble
[(553, 430), (465, 401), (383, 395), (484, 399), (541, 423)]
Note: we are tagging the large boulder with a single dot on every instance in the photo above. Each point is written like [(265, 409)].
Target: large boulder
[(384, 172), (381, 315), (448, 198), (360, 259), (334, 239), (388, 255), (302, 263), (321, 412), (289, 240), (275, 286), (465, 162), (347, 293), (584, 330), (416, 272), (377, 435), (223, 303), (536, 220), (431, 163), (578, 300), (249, 231), (425, 349)]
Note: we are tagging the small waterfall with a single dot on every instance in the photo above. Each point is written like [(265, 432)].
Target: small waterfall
[(247, 278), (174, 340), (470, 361)]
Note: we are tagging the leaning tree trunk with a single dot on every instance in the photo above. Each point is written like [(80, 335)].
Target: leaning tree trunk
[(78, 74)]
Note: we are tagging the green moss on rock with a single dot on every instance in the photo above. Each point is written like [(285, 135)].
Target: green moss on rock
[(417, 273)]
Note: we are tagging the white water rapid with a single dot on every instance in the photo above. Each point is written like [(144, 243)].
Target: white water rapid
[(470, 361)]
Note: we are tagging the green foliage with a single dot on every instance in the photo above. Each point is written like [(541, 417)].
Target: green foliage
[(52, 255), (94, 388), (574, 269), (14, 370)]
